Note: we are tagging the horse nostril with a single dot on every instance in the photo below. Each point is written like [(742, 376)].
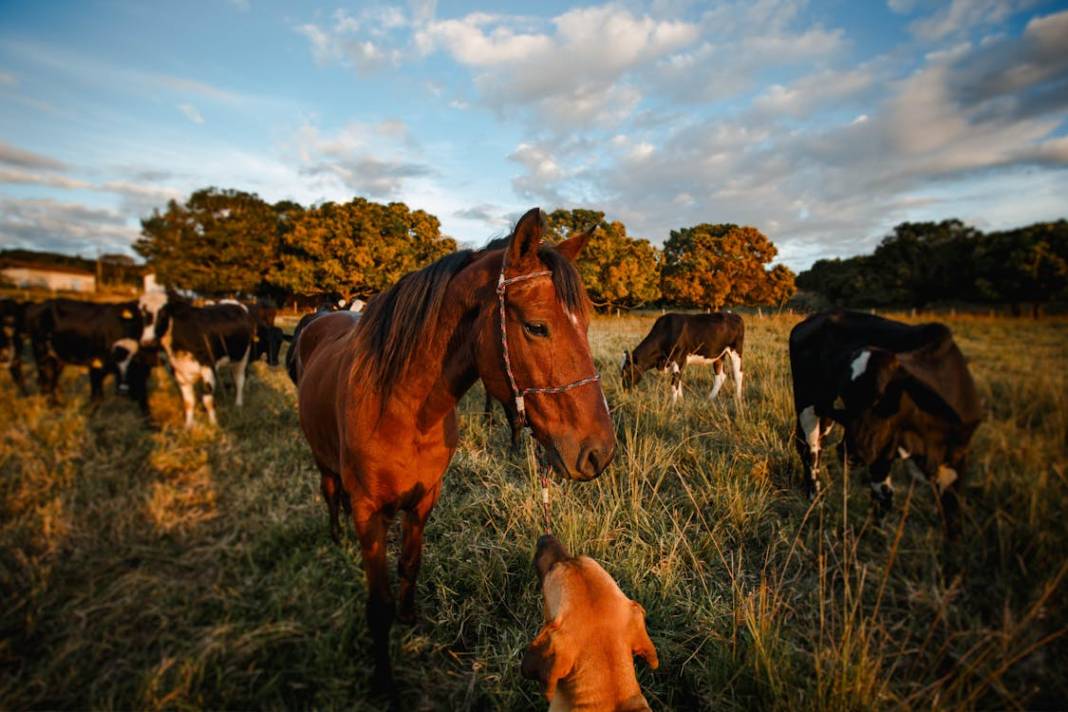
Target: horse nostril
[(594, 460)]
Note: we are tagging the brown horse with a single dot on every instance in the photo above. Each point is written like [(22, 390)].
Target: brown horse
[(378, 395)]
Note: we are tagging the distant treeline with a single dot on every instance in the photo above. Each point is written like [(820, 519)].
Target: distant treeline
[(228, 242), (923, 264)]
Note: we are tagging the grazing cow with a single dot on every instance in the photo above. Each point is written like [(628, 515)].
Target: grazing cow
[(100, 336), (899, 390), (268, 338), (679, 339), (12, 328), (197, 340)]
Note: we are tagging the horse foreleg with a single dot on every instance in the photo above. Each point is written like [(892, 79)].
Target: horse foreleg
[(412, 554), (371, 530)]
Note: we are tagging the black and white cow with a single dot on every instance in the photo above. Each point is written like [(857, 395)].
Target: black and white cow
[(103, 337), (197, 340), (900, 391), (12, 329), (680, 339)]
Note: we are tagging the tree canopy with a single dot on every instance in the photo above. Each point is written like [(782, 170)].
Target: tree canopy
[(716, 266), (231, 242), (920, 264), (617, 269)]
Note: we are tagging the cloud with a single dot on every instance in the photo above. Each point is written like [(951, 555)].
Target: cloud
[(191, 113), (45, 224), (13, 156), (575, 75), (50, 180), (364, 42), (960, 16), (370, 159), (832, 186)]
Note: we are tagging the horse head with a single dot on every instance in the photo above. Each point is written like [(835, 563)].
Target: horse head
[(540, 359)]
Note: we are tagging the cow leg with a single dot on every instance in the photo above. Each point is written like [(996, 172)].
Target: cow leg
[(208, 398), (96, 383), (412, 554), (15, 368), (371, 529), (720, 377), (947, 480), (240, 368), (48, 371), (676, 382), (736, 373), (807, 440), (186, 384), (330, 486), (882, 489)]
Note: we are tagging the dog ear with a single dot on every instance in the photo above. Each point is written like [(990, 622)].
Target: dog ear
[(641, 645), (547, 659)]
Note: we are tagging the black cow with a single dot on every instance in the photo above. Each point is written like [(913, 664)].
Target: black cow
[(100, 336), (197, 340), (12, 329), (679, 339), (899, 391)]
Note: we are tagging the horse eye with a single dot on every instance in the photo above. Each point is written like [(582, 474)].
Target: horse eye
[(535, 329)]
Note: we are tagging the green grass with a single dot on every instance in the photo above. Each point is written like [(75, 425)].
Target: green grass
[(169, 569)]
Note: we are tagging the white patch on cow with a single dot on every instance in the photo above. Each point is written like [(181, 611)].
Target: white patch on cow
[(239, 367), (736, 372), (150, 303), (945, 478), (186, 372), (131, 350), (209, 393), (676, 392), (675, 367), (623, 363), (234, 302), (717, 383), (810, 425), (860, 363), (357, 306)]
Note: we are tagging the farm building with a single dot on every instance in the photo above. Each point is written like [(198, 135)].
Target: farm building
[(56, 278)]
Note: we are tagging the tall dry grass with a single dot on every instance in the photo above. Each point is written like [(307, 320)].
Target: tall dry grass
[(160, 568)]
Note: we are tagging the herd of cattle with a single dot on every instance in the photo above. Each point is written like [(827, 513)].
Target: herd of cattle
[(898, 390)]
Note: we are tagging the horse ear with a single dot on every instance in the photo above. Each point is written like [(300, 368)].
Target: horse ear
[(572, 246), (527, 237)]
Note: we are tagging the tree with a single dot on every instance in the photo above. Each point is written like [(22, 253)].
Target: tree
[(921, 263), (714, 266), (356, 248), (617, 269), (218, 242), (1029, 264)]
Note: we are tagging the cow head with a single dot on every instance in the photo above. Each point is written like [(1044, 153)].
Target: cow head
[(123, 352), (872, 387), (629, 371), (152, 306)]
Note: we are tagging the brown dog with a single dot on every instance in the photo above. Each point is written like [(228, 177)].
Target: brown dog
[(584, 655)]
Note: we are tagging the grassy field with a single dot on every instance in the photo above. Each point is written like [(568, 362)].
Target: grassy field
[(159, 568)]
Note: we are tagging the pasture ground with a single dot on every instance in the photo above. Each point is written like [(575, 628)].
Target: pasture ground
[(161, 568)]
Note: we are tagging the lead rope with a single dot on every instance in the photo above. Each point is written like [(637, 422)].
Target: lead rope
[(519, 394)]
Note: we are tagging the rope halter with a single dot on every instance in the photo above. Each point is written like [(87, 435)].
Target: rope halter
[(519, 394)]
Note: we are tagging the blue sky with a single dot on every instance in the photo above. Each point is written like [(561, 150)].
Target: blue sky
[(821, 123)]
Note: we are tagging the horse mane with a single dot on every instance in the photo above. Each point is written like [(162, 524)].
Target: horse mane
[(395, 322)]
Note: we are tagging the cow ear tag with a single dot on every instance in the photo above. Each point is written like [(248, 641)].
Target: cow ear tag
[(127, 314)]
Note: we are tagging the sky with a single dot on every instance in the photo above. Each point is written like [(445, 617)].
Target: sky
[(822, 123)]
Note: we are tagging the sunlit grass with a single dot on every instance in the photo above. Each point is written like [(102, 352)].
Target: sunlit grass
[(154, 567)]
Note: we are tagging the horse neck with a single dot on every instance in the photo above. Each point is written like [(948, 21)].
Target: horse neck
[(444, 369)]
